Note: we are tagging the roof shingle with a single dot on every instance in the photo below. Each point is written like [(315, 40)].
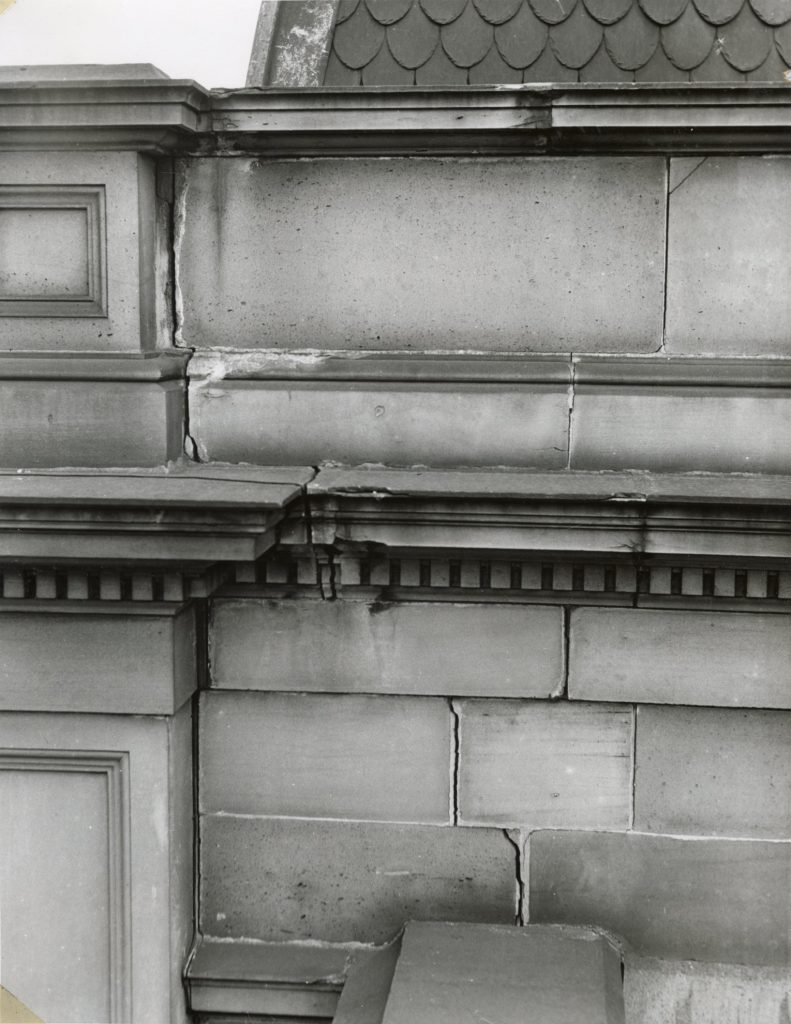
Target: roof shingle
[(492, 42)]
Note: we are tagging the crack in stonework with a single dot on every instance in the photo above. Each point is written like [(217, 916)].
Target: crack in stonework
[(519, 916), (455, 761)]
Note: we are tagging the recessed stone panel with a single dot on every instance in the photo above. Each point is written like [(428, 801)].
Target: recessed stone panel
[(286, 879), (296, 423), (340, 756), (675, 430), (721, 659), (423, 648), (707, 771), (728, 256), (717, 900), (541, 764), (509, 254)]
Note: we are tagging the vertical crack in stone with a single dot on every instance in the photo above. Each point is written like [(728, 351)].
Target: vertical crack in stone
[(663, 341), (561, 693), (455, 761), (514, 838), (572, 387), (633, 768)]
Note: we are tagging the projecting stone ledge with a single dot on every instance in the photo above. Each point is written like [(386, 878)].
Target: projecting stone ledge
[(446, 973)]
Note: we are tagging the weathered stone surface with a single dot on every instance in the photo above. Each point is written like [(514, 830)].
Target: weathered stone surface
[(376, 758), (658, 992), (680, 657), (684, 899), (136, 664), (425, 254), (681, 430), (90, 423), (125, 261), (425, 648), (397, 424), (448, 973), (544, 764), (728, 250), (713, 771), (280, 878)]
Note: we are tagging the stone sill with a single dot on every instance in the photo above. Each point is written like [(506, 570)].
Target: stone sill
[(165, 115), (292, 980), (490, 368)]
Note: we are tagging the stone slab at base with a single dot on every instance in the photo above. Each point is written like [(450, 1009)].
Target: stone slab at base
[(447, 973)]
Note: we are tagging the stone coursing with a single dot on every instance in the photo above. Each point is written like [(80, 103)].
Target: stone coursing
[(487, 42)]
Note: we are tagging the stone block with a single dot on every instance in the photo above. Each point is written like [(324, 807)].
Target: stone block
[(543, 765), (47, 424), (728, 250), (448, 973), (304, 423), (79, 268), (425, 648), (286, 879), (714, 771), (658, 992), (720, 659), (315, 756), (138, 664), (669, 430), (715, 900), (470, 254)]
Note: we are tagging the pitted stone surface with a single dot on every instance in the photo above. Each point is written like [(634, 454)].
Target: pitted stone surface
[(480, 42)]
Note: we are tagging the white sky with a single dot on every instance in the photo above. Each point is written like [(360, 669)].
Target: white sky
[(207, 41)]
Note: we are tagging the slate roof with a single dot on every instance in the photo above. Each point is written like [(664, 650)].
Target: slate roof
[(491, 42)]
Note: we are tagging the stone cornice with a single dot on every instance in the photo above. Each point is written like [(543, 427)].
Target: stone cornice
[(168, 364), (502, 119), (161, 115), (703, 519), (154, 115), (185, 517)]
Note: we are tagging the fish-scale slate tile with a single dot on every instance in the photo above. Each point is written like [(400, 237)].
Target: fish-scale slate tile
[(502, 42), (346, 9), (387, 12), (718, 11), (576, 39), (659, 69), (664, 11), (783, 41), (439, 69), (688, 41), (443, 11), (358, 39), (549, 69), (745, 42), (494, 69), (553, 11), (522, 40), (608, 11), (714, 69), (384, 69), (773, 12), (414, 38), (773, 69), (468, 39), (601, 68), (497, 11)]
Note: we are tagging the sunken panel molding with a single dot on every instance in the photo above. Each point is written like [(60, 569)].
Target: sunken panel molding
[(80, 268)]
